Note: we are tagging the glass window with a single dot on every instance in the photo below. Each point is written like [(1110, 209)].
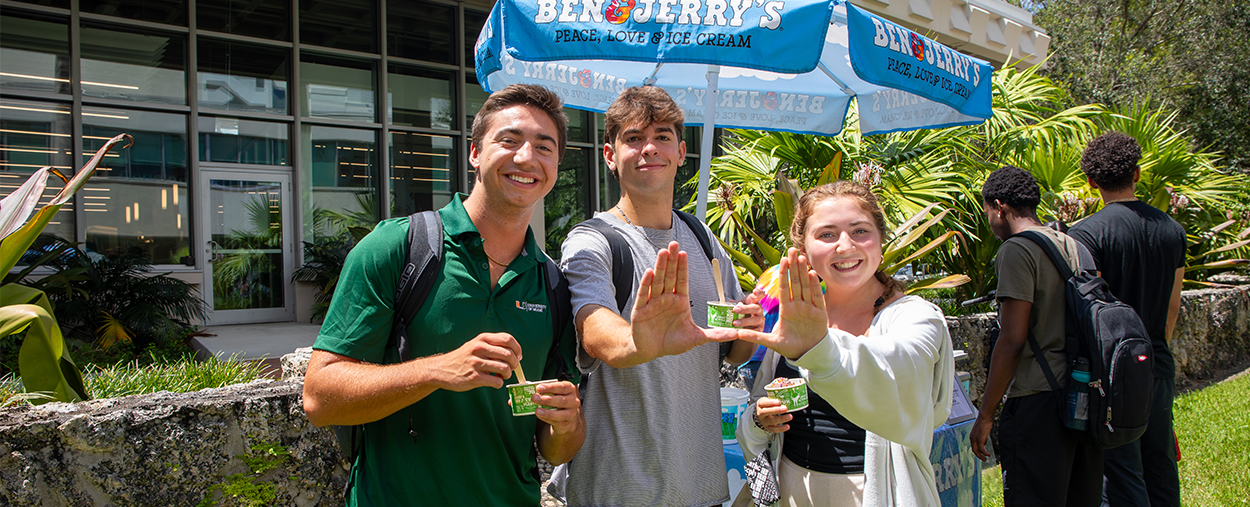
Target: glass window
[(476, 98), (242, 77), (142, 67), (337, 88), (62, 4), (34, 55), (138, 198), (421, 31), (342, 24), (169, 12), (421, 172), (266, 19), (609, 187), (34, 135), (340, 173), (236, 141), (420, 98), (473, 23), (579, 128), (568, 203)]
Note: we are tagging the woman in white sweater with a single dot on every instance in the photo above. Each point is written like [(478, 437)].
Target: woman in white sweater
[(878, 365)]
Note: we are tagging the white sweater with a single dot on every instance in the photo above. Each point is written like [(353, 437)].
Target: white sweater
[(896, 383)]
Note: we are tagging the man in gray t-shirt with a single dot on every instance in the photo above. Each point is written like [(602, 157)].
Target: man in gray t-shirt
[(651, 385)]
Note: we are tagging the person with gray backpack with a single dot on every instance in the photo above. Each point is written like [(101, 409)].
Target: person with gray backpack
[(1044, 462)]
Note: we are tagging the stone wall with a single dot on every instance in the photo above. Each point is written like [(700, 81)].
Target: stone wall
[(167, 449), (1212, 334), (175, 449)]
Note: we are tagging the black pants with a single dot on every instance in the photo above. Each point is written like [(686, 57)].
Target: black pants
[(1144, 472), (1044, 463)]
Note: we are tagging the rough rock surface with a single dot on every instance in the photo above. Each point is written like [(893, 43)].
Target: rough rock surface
[(165, 448), (1212, 333), (172, 449)]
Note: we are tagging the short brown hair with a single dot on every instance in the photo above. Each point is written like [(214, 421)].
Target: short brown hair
[(523, 95), (866, 200), (641, 105)]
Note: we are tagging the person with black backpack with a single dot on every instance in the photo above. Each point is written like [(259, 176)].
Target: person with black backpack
[(423, 385), (1140, 252), (1044, 462)]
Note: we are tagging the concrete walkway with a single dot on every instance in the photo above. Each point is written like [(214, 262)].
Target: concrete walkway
[(256, 342)]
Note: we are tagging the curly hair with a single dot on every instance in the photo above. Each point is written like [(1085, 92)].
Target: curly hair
[(1012, 186), (862, 196), (524, 95), (1110, 160)]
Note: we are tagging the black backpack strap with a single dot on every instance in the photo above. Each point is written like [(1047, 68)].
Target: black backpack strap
[(1065, 272), (425, 253), (1046, 371), (622, 260), (699, 232), (1048, 246), (559, 299)]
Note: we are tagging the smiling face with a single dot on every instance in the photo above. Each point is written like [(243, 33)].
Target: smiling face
[(645, 158), (842, 242), (517, 161)]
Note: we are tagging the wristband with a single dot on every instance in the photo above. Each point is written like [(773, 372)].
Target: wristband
[(755, 416)]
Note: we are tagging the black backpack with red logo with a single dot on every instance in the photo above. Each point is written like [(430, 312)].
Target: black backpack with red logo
[(1111, 336)]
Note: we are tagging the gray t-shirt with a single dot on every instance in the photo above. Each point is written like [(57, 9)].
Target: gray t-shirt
[(652, 430)]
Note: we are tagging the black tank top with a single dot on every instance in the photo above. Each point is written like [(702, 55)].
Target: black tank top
[(820, 439)]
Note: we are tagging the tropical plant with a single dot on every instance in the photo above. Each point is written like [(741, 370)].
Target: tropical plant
[(323, 262), (44, 363), (1214, 251), (901, 244), (112, 299)]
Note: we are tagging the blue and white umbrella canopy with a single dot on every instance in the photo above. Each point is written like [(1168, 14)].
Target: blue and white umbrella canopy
[(790, 65)]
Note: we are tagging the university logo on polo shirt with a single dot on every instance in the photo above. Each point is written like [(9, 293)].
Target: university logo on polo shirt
[(530, 307)]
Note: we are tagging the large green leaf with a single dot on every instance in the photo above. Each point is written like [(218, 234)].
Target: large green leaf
[(43, 361), (15, 207), (85, 173), (939, 282), (16, 241), (13, 246)]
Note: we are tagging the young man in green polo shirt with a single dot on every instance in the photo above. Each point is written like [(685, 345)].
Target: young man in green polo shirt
[(438, 429)]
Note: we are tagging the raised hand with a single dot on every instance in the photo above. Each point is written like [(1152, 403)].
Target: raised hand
[(803, 321), (486, 360), (661, 324)]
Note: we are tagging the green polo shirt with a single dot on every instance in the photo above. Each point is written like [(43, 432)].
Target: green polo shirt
[(469, 449)]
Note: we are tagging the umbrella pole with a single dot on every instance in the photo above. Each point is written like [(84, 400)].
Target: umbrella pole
[(709, 127)]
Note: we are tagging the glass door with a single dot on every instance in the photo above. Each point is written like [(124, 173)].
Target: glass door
[(248, 248)]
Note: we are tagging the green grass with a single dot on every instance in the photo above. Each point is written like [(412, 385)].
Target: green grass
[(180, 375), (1214, 429)]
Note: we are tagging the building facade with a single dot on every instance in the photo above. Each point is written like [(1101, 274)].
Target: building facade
[(260, 126)]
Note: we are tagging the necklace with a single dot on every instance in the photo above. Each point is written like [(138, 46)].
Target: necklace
[(636, 228), (492, 259)]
